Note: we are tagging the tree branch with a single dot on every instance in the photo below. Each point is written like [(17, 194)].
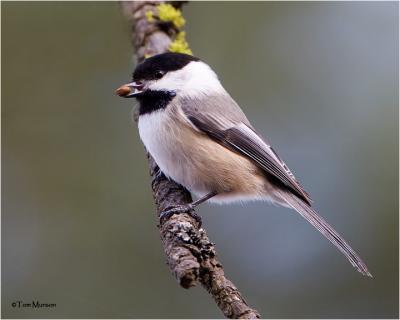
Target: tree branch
[(190, 254)]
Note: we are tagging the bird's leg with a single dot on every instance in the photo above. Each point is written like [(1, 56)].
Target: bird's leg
[(186, 208)]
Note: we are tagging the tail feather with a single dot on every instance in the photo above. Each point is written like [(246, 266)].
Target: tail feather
[(322, 226)]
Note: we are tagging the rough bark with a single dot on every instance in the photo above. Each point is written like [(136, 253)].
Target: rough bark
[(190, 254)]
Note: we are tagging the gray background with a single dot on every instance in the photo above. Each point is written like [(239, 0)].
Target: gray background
[(78, 225)]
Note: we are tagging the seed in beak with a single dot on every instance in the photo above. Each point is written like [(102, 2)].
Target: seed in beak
[(123, 91)]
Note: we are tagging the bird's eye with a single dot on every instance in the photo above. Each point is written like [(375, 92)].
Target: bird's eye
[(159, 74)]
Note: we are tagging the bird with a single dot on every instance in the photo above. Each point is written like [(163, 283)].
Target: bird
[(200, 138)]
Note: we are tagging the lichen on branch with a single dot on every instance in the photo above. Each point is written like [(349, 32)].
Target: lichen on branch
[(166, 14)]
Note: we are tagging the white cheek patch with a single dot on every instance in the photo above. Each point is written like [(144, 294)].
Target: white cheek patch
[(172, 81), (196, 78)]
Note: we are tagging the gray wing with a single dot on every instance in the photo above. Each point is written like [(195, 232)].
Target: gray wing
[(230, 128)]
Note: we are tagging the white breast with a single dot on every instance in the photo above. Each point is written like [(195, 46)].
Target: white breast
[(153, 130), (162, 135)]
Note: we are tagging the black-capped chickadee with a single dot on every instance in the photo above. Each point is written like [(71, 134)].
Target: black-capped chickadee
[(200, 138)]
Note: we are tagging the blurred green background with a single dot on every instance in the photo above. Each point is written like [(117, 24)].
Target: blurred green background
[(78, 222)]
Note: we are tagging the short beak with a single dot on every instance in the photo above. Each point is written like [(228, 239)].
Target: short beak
[(130, 90)]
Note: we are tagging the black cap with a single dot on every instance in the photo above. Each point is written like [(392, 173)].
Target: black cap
[(150, 68)]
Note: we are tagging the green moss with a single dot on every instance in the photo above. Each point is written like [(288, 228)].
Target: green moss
[(180, 44), (165, 12), (168, 13), (149, 16)]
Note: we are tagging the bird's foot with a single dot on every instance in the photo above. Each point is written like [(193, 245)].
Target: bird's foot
[(186, 208)]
